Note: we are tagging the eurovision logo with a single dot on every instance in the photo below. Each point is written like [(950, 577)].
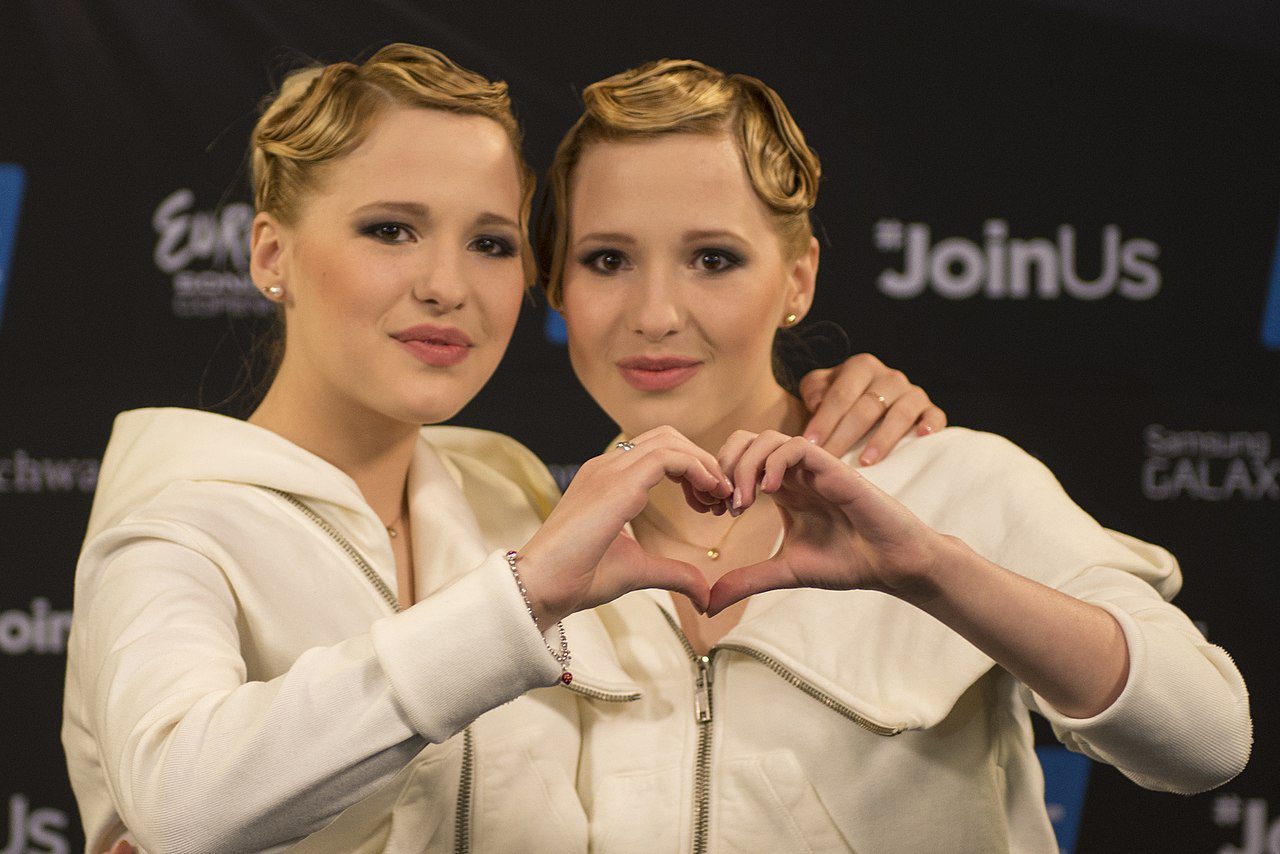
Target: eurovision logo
[(12, 183), (207, 254)]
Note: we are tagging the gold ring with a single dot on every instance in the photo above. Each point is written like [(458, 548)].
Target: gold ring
[(879, 397)]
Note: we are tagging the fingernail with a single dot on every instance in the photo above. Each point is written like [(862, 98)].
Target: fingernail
[(925, 429), (737, 499), (869, 456), (812, 438)]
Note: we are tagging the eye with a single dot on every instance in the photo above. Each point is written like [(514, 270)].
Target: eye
[(493, 246), (715, 260), (605, 261), (388, 232)]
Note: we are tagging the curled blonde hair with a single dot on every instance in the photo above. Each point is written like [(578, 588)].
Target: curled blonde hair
[(322, 112), (686, 96)]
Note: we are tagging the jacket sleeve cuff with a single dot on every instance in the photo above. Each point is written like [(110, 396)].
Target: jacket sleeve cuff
[(463, 650), (1181, 723)]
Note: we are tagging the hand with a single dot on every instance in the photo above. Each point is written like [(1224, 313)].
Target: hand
[(845, 404), (840, 531), (580, 557)]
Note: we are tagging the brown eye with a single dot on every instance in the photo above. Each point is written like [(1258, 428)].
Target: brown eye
[(493, 246), (606, 261), (715, 260), (388, 232)]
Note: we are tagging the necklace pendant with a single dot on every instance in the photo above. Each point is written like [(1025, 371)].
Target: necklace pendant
[(714, 554), (392, 533)]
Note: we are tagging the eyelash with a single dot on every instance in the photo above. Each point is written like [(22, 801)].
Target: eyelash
[(730, 259), (502, 247), (375, 231), (592, 260)]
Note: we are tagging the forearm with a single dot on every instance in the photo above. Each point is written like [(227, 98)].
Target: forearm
[(1071, 653)]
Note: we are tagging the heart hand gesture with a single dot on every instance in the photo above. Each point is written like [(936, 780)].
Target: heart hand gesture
[(840, 531)]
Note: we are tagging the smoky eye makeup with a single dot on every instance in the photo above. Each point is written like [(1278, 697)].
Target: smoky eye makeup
[(387, 231), (604, 261)]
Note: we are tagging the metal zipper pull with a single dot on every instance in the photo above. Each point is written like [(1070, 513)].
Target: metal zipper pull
[(702, 690)]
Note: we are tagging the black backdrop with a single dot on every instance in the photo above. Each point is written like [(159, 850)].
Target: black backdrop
[(1059, 217)]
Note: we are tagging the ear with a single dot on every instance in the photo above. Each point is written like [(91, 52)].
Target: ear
[(267, 256), (802, 278)]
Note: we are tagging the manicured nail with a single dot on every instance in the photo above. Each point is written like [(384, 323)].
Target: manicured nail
[(811, 438), (925, 429), (869, 456), (737, 499)]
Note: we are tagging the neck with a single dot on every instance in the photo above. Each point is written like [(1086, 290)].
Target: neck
[(372, 449), (776, 411)]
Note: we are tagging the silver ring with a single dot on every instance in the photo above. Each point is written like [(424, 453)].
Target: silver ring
[(880, 397), (625, 446)]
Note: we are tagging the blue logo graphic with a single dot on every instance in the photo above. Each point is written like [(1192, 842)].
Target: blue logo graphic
[(1066, 776), (1271, 309), (12, 181), (553, 328)]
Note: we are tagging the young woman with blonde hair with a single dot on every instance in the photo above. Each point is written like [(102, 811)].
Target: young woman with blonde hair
[(876, 636), (327, 625)]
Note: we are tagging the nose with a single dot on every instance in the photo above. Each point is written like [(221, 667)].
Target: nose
[(442, 284), (656, 307)]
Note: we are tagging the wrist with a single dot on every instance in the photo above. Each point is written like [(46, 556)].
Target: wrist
[(938, 574), (546, 608), (560, 654)]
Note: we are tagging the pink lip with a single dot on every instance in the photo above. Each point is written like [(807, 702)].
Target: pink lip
[(657, 373), (438, 346)]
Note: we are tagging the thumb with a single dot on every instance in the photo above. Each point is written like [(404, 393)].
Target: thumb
[(738, 584), (677, 576)]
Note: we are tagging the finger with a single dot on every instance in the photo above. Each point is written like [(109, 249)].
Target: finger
[(750, 467), (738, 584), (840, 396), (691, 498), (897, 422), (668, 437), (732, 449), (860, 418), (776, 464), (844, 385), (666, 573), (677, 463), (813, 387), (932, 421)]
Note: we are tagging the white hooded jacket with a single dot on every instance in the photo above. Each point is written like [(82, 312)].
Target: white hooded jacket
[(852, 721), (236, 683)]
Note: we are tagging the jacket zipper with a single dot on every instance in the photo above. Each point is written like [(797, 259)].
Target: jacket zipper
[(602, 695), (703, 715), (462, 810)]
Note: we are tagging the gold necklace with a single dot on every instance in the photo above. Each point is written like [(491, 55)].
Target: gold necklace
[(712, 552), (391, 529)]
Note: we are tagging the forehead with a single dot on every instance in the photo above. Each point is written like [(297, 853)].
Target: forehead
[(431, 156), (671, 179)]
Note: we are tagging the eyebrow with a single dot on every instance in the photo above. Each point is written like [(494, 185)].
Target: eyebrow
[(404, 208), (712, 234), (414, 210), (606, 237)]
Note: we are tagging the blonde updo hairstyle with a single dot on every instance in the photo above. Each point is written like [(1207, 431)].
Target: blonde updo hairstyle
[(322, 112), (686, 96)]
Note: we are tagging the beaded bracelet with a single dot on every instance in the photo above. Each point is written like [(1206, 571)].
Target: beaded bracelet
[(562, 657)]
